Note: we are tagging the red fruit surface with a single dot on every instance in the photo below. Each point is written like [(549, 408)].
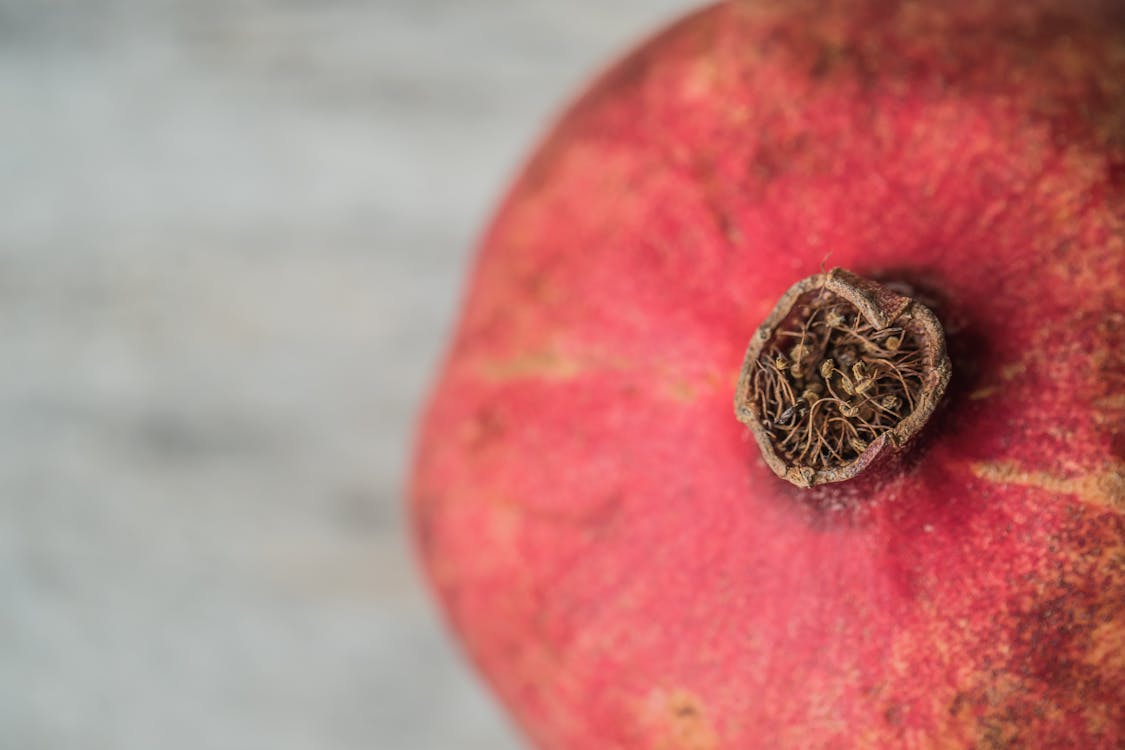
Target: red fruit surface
[(604, 535)]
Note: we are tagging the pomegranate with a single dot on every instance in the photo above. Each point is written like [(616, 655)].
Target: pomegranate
[(619, 558)]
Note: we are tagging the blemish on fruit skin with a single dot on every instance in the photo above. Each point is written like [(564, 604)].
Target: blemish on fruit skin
[(1105, 488), (681, 390), (1109, 648), (1115, 402), (677, 720), (1007, 373), (483, 429), (549, 365), (1050, 674)]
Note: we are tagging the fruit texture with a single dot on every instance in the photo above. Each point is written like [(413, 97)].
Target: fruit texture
[(604, 536)]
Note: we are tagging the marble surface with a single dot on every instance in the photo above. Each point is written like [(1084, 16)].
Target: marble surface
[(232, 244)]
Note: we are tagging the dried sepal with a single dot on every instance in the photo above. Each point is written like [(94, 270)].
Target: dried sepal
[(842, 371)]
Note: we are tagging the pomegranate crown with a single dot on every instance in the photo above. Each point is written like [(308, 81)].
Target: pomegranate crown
[(842, 372)]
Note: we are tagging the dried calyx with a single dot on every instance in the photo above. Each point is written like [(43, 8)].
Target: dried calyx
[(841, 372)]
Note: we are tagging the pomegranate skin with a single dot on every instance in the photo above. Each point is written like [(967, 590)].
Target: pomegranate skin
[(602, 533)]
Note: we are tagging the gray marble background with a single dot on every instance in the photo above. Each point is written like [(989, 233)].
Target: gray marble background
[(232, 236)]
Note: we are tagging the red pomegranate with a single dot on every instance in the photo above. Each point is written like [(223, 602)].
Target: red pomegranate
[(609, 541)]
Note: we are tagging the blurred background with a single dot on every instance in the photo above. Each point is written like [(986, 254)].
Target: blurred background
[(232, 241)]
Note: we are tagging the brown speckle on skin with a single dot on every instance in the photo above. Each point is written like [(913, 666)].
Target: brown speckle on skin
[(677, 720)]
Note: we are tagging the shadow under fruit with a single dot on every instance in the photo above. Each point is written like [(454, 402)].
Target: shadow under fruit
[(605, 537)]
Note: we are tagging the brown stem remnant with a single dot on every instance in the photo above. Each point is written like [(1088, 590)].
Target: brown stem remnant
[(842, 371)]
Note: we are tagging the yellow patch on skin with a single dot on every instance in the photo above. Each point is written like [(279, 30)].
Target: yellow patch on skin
[(1007, 373), (1108, 650), (1105, 489), (1115, 402), (681, 390), (677, 720), (959, 729), (541, 364), (552, 366), (1107, 656)]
